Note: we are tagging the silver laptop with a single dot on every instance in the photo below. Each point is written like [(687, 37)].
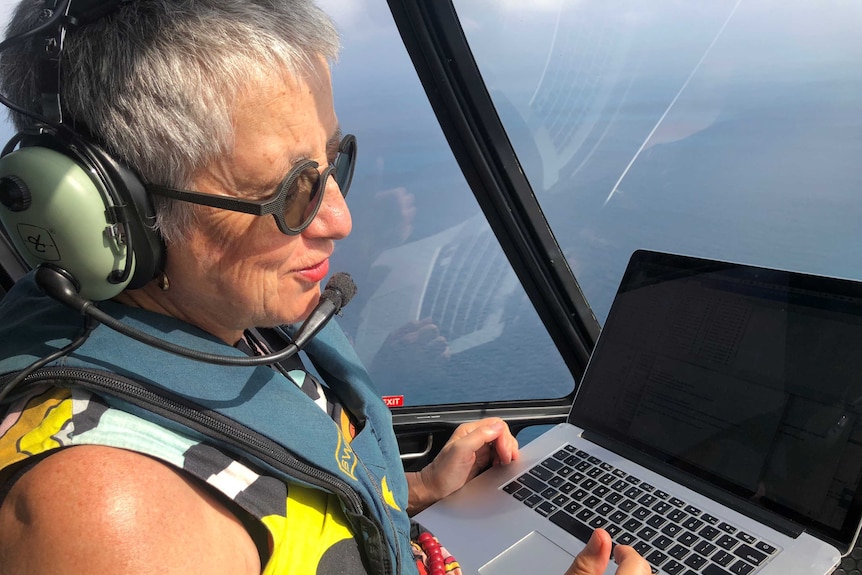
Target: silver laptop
[(717, 429)]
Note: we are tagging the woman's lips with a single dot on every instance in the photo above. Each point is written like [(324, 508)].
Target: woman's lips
[(315, 273)]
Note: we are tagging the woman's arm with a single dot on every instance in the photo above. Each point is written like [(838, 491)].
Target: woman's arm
[(94, 509)]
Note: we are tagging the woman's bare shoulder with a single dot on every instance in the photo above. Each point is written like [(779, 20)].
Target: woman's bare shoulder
[(91, 509)]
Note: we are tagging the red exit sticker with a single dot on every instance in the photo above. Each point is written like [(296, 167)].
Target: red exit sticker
[(393, 400)]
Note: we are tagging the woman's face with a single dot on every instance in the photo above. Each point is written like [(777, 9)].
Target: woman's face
[(237, 270)]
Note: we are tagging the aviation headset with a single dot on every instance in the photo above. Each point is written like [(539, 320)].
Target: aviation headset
[(64, 201), (85, 221)]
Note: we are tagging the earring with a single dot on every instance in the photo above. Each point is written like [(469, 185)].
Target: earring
[(163, 282)]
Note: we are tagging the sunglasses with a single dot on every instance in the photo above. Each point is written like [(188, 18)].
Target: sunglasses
[(297, 199)]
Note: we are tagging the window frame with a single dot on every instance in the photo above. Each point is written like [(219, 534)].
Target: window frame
[(438, 48)]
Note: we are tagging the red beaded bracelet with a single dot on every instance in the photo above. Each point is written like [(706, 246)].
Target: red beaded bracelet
[(434, 553)]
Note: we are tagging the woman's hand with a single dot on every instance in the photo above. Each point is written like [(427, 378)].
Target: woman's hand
[(594, 558), (472, 448)]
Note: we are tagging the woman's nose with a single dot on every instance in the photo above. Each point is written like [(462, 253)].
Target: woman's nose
[(333, 218)]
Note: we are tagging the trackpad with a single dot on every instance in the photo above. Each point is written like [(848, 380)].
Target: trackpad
[(532, 554)]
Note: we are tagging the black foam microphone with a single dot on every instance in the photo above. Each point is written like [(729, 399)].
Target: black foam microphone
[(339, 290), (336, 294)]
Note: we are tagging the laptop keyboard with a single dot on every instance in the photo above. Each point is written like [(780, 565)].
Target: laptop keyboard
[(580, 492)]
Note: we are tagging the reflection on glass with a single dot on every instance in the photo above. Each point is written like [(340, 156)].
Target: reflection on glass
[(439, 316), (727, 129)]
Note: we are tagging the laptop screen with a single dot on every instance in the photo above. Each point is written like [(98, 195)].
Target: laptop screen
[(747, 377)]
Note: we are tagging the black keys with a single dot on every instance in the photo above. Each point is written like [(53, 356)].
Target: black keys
[(656, 558), (750, 554), (533, 500), (512, 487), (601, 491), (556, 481), (633, 492), (671, 534), (692, 524), (626, 538), (572, 525), (588, 483), (695, 561), (677, 516), (662, 542), (661, 507), (647, 500), (741, 568), (522, 494), (687, 538), (647, 533), (726, 542), (614, 497), (533, 483), (642, 548), (584, 515), (545, 508), (723, 558), (727, 528), (607, 479), (705, 548), (549, 493), (561, 455), (542, 473), (618, 517)]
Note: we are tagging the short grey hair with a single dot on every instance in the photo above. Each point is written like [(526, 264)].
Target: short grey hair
[(156, 81)]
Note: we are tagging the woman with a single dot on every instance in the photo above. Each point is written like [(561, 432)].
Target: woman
[(229, 99)]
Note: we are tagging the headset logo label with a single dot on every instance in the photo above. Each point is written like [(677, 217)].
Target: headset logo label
[(39, 242)]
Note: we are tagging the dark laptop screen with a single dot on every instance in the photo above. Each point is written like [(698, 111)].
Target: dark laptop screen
[(746, 376)]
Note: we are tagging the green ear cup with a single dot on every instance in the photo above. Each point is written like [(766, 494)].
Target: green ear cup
[(54, 212)]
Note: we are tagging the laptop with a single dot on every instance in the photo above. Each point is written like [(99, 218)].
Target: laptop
[(717, 429)]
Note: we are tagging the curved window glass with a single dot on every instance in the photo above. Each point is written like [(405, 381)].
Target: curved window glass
[(728, 129), (439, 316)]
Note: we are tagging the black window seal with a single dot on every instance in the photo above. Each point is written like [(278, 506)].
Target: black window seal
[(438, 48)]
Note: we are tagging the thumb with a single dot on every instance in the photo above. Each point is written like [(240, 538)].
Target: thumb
[(594, 558)]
